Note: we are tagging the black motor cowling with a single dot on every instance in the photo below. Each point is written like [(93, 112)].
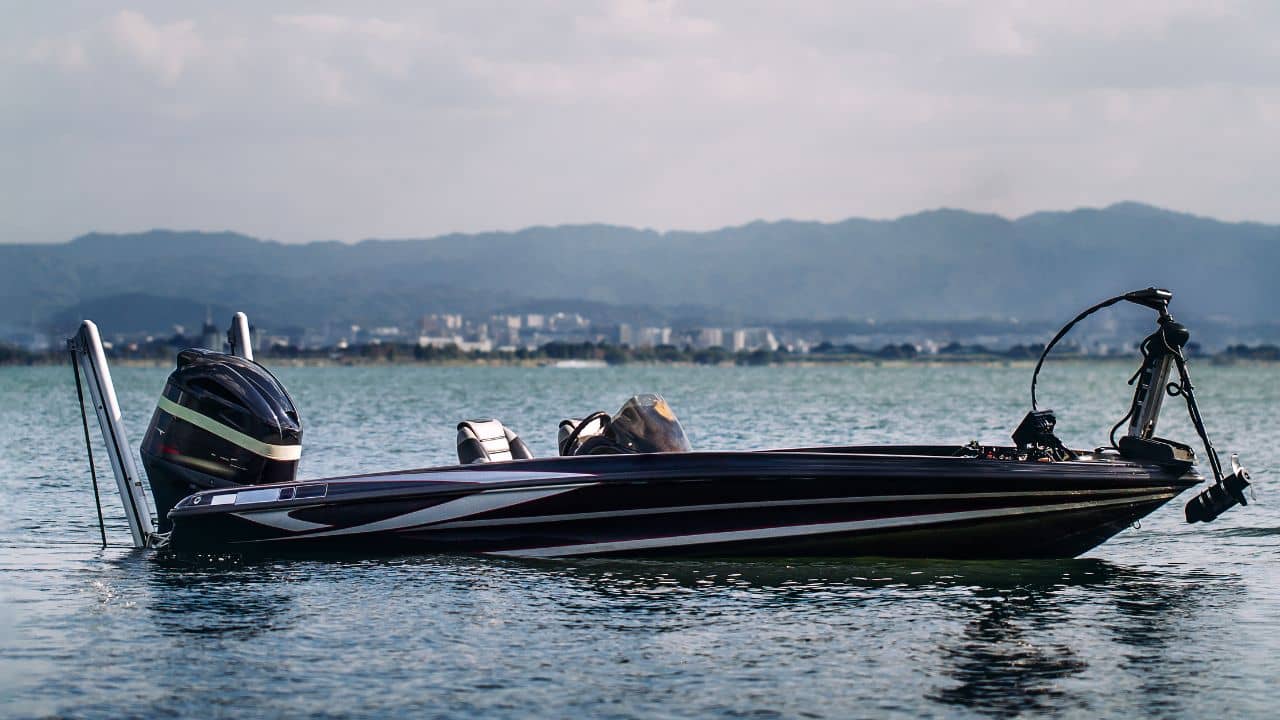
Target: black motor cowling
[(221, 421)]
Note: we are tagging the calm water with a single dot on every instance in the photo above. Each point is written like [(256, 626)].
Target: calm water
[(1165, 620)]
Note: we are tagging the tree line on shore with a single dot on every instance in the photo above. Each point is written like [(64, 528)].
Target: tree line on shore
[(618, 354)]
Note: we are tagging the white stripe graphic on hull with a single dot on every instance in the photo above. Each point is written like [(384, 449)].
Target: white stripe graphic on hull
[(815, 529), (462, 507), (280, 519), (762, 504)]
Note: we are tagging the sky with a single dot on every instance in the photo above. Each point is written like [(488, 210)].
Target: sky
[(316, 121)]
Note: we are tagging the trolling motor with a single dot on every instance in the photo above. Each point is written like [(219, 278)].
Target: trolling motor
[(1162, 351)]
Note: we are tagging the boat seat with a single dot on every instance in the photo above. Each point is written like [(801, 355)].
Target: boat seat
[(488, 440)]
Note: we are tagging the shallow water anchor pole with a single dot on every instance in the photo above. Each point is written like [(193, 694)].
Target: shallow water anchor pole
[(89, 356), (238, 336)]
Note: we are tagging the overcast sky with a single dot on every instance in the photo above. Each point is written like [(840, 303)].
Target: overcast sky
[(310, 121)]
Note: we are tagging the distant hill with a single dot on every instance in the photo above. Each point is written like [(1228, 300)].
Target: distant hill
[(942, 264)]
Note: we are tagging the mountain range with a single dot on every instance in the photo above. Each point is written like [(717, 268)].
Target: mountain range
[(935, 265)]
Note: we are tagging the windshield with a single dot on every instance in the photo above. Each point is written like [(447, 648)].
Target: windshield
[(646, 424)]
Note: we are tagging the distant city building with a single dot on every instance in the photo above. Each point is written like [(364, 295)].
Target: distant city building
[(211, 337), (440, 322), (505, 330), (442, 341), (276, 342), (652, 336), (708, 338), (32, 341), (567, 322), (506, 323), (753, 339)]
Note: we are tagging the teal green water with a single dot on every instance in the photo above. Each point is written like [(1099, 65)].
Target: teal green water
[(1165, 620)]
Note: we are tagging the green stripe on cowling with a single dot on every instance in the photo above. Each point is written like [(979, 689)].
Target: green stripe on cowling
[(231, 435)]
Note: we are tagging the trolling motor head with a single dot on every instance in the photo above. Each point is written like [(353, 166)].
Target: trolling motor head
[(221, 421), (1153, 297)]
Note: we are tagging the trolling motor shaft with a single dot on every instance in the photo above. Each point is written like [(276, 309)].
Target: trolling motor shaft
[(1153, 377), (1161, 351)]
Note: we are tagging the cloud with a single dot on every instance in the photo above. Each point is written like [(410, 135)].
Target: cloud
[(65, 52), (374, 28), (311, 121), (659, 18), (331, 55), (164, 50)]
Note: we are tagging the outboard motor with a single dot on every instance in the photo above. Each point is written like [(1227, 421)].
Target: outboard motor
[(221, 421)]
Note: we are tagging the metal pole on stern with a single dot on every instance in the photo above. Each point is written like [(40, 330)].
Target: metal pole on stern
[(92, 360)]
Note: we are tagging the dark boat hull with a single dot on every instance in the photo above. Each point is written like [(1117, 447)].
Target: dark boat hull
[(904, 502)]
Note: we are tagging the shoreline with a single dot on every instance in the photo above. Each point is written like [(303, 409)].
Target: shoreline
[(932, 362)]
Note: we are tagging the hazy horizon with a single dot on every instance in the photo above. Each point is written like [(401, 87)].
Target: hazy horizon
[(663, 231), (316, 121)]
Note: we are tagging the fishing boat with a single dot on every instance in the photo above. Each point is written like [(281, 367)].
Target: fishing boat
[(222, 450)]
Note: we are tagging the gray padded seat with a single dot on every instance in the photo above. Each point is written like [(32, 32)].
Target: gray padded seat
[(487, 440)]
